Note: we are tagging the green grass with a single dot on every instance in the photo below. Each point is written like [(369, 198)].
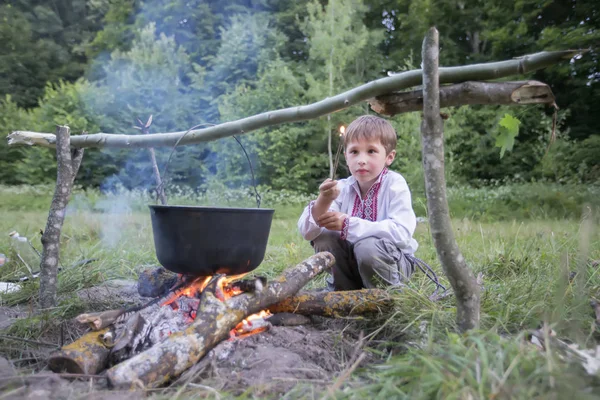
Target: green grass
[(526, 263)]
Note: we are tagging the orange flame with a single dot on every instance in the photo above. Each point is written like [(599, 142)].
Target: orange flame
[(251, 325)]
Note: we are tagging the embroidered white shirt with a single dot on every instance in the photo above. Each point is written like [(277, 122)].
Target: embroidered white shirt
[(385, 212)]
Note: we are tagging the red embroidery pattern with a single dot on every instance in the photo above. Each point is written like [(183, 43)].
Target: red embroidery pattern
[(345, 226), (367, 209)]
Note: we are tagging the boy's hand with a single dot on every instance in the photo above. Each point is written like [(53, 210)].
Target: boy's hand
[(329, 189), (332, 220)]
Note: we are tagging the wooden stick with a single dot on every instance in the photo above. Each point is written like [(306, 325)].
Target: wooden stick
[(432, 132), (337, 159), (213, 323), (68, 164), (18, 339)]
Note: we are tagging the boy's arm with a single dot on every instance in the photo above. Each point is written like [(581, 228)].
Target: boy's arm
[(306, 224), (399, 226)]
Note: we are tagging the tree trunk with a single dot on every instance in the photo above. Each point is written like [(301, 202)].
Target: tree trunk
[(395, 82), (460, 276), (467, 93), (68, 162)]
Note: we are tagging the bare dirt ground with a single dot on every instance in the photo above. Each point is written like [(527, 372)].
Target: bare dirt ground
[(266, 364)]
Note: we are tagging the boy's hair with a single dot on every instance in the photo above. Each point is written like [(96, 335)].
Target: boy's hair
[(370, 127)]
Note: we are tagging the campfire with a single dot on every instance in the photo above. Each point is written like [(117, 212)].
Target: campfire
[(185, 301), (154, 343), (133, 330)]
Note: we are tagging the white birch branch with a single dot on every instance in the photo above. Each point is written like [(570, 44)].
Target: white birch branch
[(400, 81)]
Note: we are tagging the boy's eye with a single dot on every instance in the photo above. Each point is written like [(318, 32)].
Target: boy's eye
[(372, 151)]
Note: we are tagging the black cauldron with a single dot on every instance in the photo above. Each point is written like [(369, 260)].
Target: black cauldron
[(204, 241)]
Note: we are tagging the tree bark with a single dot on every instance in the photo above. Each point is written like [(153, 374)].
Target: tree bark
[(336, 304), (68, 162), (467, 93), (395, 82), (460, 276), (214, 320)]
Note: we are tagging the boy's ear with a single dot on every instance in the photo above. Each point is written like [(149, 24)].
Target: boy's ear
[(390, 158)]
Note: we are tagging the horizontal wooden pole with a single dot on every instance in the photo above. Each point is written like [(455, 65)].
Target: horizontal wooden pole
[(395, 82)]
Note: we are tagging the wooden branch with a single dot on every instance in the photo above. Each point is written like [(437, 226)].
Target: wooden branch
[(486, 71), (68, 162), (214, 320), (87, 355), (336, 304), (467, 93), (460, 276), (160, 190)]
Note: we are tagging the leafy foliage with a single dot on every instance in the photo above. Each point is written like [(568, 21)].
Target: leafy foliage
[(100, 65), (509, 129)]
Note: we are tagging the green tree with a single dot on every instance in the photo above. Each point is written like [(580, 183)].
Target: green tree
[(12, 117), (41, 42), (341, 43)]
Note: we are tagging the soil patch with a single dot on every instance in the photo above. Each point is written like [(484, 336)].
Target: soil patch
[(275, 361), (266, 364)]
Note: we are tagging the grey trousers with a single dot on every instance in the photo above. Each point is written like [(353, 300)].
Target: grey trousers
[(368, 263)]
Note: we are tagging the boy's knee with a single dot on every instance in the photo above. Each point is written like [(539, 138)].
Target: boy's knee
[(366, 249), (378, 262), (326, 241)]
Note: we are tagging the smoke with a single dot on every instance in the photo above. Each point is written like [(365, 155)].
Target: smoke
[(183, 56)]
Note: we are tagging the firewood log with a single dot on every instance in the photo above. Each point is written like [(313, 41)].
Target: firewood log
[(87, 355), (335, 304), (213, 323)]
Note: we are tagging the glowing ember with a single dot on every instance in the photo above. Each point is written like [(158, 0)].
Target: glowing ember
[(195, 287), (187, 300), (254, 324)]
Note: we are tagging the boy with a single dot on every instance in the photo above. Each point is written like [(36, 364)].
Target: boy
[(366, 221)]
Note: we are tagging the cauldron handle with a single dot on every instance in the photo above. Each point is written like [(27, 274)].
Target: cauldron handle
[(164, 174)]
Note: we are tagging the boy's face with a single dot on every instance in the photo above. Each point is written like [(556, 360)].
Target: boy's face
[(366, 159)]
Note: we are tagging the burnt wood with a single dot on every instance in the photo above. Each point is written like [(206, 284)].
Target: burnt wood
[(214, 321)]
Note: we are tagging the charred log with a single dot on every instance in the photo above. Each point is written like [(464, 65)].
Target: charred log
[(213, 323), (336, 304)]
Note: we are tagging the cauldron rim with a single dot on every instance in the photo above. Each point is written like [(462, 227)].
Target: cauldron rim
[(211, 208)]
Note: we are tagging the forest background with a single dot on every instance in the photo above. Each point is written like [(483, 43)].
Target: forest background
[(98, 65)]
